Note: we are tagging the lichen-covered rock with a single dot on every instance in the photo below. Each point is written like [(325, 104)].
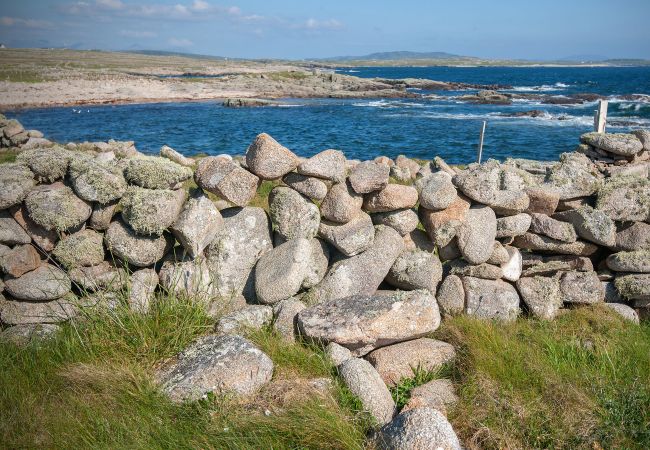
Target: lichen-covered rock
[(293, 214), (451, 296), (102, 215), (625, 198), (591, 224), (634, 286), (349, 238), (362, 323), (390, 198), (188, 278), (485, 271), (244, 237), (636, 261), (172, 155), (437, 394), (19, 260), (56, 207), (490, 299), (419, 428), (328, 164), (151, 211), (369, 176), (499, 254), (511, 226), (542, 200), (574, 176), (84, 248), (311, 187), (442, 226), (581, 287), (341, 204), (97, 182), (13, 312), (416, 269), (197, 225), (555, 229), (269, 160), (365, 383), (285, 314), (152, 172), (252, 317), (635, 236), (318, 264), (138, 250), (143, 284), (337, 353), (42, 238), (16, 181), (226, 179), (48, 165), (398, 361), (477, 233), (280, 273), (402, 220), (11, 233), (220, 364), (535, 242), (362, 273), (46, 282), (104, 276), (617, 143), (541, 295), (436, 191)]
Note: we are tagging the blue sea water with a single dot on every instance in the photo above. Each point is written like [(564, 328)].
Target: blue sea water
[(437, 124)]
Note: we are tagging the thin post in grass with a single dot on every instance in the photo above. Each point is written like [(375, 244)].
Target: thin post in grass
[(479, 153), (600, 116)]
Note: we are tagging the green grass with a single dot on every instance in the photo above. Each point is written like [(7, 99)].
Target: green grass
[(8, 156), (401, 392), (21, 76), (261, 198), (581, 381)]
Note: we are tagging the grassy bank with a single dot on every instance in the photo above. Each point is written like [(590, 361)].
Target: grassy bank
[(582, 381)]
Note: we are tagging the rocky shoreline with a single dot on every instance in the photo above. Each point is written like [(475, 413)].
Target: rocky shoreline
[(364, 258)]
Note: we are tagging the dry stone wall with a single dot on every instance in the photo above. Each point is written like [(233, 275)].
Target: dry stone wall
[(364, 257)]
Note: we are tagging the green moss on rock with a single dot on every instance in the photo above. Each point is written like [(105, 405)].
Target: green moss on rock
[(151, 211), (155, 173), (49, 165), (56, 207), (81, 249), (97, 182)]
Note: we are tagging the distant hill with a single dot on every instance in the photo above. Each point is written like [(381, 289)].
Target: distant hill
[(395, 56)]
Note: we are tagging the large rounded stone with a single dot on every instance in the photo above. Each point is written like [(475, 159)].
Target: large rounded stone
[(555, 229), (349, 238), (451, 296), (390, 198), (311, 187), (362, 323), (102, 215), (197, 225), (477, 233), (152, 172), (436, 191), (13, 312), (186, 277), (47, 282), (581, 287), (220, 364), (251, 317), (16, 181), (19, 260), (341, 204), (590, 224), (541, 295), (419, 428), (56, 207), (328, 164), (399, 361), (362, 273), (437, 394), (634, 286), (280, 273), (140, 251), (49, 165), (511, 226), (366, 384), (269, 160), (637, 261), (228, 180), (402, 220), (617, 143), (369, 176), (84, 248), (625, 198), (244, 237), (574, 176), (416, 269), (151, 211), (442, 226), (97, 182), (293, 214), (490, 299), (635, 236)]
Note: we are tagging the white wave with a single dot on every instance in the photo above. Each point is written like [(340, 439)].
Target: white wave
[(541, 88), (289, 105)]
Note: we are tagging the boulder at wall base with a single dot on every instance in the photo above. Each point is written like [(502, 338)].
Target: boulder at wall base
[(286, 312), (581, 287), (451, 296), (365, 383), (362, 323), (490, 299), (637, 261), (293, 214), (419, 428), (188, 278), (269, 160), (104, 276), (362, 273), (15, 312), (225, 178), (137, 250), (56, 207), (634, 286), (47, 282), (251, 317), (142, 287), (220, 364), (398, 361), (541, 295), (244, 237), (416, 269)]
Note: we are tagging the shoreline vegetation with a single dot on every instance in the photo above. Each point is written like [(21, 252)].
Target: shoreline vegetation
[(57, 77)]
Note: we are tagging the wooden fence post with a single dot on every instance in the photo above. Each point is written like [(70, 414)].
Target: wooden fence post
[(600, 117), (479, 154)]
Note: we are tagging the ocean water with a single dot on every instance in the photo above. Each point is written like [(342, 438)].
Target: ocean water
[(438, 124)]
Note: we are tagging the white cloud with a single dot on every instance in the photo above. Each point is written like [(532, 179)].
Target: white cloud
[(314, 24), (180, 42), (28, 23), (110, 4), (138, 34), (200, 5)]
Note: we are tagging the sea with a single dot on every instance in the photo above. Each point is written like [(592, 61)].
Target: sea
[(436, 124)]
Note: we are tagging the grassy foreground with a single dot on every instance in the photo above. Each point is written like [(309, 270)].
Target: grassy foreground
[(582, 381)]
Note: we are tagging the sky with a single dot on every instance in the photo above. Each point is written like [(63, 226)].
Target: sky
[(297, 29)]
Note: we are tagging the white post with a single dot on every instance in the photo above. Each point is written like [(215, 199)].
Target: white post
[(479, 154), (600, 117)]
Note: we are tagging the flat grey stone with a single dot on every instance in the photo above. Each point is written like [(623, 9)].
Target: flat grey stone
[(350, 238), (555, 229), (416, 269), (617, 143), (490, 299), (574, 176), (635, 236), (137, 250), (311, 187), (369, 176), (102, 215), (625, 199), (581, 287), (143, 284), (511, 226), (634, 286), (56, 207), (252, 317), (437, 394), (16, 181), (285, 313), (390, 198), (535, 242), (402, 220), (15, 312), (153, 172), (637, 261), (97, 182), (11, 233), (624, 311), (591, 224), (104, 276), (47, 282), (187, 278), (451, 296), (541, 295), (83, 248), (337, 353)]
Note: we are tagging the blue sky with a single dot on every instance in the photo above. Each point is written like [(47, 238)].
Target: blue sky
[(303, 29)]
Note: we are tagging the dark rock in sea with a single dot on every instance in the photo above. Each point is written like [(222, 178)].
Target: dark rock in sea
[(247, 102)]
